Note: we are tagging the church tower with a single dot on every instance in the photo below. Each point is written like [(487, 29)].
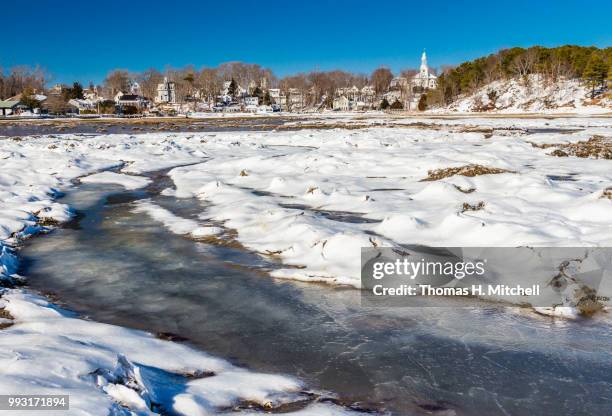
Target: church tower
[(424, 68)]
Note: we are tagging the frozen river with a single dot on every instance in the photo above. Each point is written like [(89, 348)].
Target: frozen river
[(121, 267)]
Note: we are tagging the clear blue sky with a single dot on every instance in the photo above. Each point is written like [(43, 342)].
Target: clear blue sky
[(83, 40)]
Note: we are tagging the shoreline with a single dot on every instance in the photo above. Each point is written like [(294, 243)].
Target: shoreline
[(328, 115)]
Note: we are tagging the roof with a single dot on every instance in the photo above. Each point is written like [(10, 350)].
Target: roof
[(9, 103), (129, 97)]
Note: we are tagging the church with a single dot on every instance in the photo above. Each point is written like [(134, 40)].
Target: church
[(424, 78)]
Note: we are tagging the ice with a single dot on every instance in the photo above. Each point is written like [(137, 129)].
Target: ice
[(249, 179), (49, 351), (127, 181), (174, 223)]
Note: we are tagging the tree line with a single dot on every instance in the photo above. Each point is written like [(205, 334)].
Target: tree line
[(205, 83), (593, 65), (317, 88)]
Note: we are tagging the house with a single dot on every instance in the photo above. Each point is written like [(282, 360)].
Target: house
[(359, 98), (251, 101), (56, 89), (275, 95), (92, 95), (131, 100), (393, 95), (83, 105), (295, 99), (9, 107), (166, 92), (341, 103)]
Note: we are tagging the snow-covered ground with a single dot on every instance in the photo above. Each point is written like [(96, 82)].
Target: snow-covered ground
[(532, 95), (107, 369), (312, 199)]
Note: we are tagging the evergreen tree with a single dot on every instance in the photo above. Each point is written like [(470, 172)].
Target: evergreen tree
[(257, 92), (232, 89), (384, 104), (423, 103), (267, 99), (595, 72), (77, 91), (397, 105)]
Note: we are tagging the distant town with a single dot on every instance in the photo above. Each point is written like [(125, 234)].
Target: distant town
[(231, 88), (515, 79)]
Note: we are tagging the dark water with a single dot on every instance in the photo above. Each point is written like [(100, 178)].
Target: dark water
[(135, 126), (122, 268)]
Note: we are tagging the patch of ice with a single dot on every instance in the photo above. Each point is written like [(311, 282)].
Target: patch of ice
[(174, 223), (130, 182)]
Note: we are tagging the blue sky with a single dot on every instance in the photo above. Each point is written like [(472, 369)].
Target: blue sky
[(83, 40)]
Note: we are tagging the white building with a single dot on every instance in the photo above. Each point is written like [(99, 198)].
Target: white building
[(424, 78), (135, 88), (82, 105), (275, 95), (92, 95), (341, 103), (166, 92), (131, 100), (251, 101)]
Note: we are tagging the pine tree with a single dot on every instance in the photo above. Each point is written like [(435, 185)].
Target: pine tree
[(257, 92), (232, 89), (423, 103), (384, 104), (595, 72), (77, 91), (397, 105), (267, 99)]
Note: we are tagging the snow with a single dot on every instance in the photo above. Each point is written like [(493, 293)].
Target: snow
[(343, 170), (310, 198), (533, 94), (174, 223), (108, 369), (127, 181)]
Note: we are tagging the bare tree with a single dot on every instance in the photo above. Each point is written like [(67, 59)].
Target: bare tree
[(492, 70), (149, 80), (524, 63), (117, 80), (381, 78), (20, 78), (208, 83)]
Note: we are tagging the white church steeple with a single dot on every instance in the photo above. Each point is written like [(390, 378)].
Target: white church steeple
[(424, 78), (424, 67)]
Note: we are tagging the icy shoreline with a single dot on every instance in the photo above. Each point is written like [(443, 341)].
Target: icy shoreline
[(284, 193), (107, 369)]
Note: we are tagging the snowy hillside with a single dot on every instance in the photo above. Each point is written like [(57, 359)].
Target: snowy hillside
[(532, 95)]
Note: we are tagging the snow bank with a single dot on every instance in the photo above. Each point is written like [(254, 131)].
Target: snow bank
[(127, 181), (112, 370), (313, 198), (174, 223)]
